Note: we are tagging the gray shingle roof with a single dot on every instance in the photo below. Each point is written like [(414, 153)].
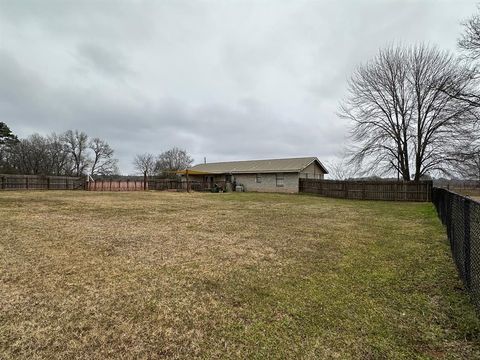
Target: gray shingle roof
[(257, 166)]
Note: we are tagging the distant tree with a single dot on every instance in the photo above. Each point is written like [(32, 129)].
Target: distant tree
[(144, 164), (403, 116), (469, 42), (31, 156), (471, 166), (468, 166), (6, 135), (103, 162), (39, 155), (341, 170), (7, 140), (77, 144), (66, 154), (59, 159), (173, 160)]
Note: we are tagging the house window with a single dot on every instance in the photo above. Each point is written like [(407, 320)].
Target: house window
[(279, 179), (258, 178)]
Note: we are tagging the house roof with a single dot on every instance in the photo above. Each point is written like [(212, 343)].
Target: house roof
[(259, 166)]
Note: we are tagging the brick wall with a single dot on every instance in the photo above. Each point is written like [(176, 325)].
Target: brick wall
[(268, 182)]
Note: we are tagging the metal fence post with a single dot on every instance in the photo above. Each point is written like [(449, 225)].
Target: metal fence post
[(4, 182), (448, 219), (466, 242)]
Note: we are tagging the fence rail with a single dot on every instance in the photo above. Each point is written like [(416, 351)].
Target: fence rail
[(115, 185), (179, 185), (461, 216), (38, 182), (369, 190)]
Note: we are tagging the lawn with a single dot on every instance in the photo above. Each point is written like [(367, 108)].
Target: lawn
[(176, 275)]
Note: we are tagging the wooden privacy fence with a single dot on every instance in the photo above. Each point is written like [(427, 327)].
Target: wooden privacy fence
[(151, 184), (165, 184), (116, 185), (369, 190), (179, 185), (39, 182)]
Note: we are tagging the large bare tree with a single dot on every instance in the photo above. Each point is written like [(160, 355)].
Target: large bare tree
[(469, 45), (173, 160), (30, 156), (144, 164), (58, 155), (469, 166), (404, 119), (340, 169), (469, 42), (77, 143), (103, 162)]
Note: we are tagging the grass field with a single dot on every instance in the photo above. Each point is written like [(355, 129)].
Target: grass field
[(473, 193), (175, 275)]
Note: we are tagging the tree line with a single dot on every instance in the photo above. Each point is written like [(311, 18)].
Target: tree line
[(415, 111), (165, 164), (72, 153)]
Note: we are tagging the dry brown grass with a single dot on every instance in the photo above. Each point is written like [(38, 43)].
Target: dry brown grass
[(171, 275)]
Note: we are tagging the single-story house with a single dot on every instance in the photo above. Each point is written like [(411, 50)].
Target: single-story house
[(274, 175)]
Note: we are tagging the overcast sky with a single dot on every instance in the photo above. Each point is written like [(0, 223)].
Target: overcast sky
[(227, 80)]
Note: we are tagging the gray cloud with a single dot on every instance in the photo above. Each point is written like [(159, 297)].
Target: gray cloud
[(226, 80), (105, 60)]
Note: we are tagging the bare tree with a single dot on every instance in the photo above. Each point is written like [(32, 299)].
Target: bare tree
[(59, 159), (66, 154), (103, 162), (173, 160), (39, 155), (341, 170), (468, 164), (144, 163), (403, 116), (77, 143), (471, 167), (469, 42), (29, 155)]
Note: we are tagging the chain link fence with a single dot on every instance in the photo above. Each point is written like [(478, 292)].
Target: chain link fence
[(461, 216)]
